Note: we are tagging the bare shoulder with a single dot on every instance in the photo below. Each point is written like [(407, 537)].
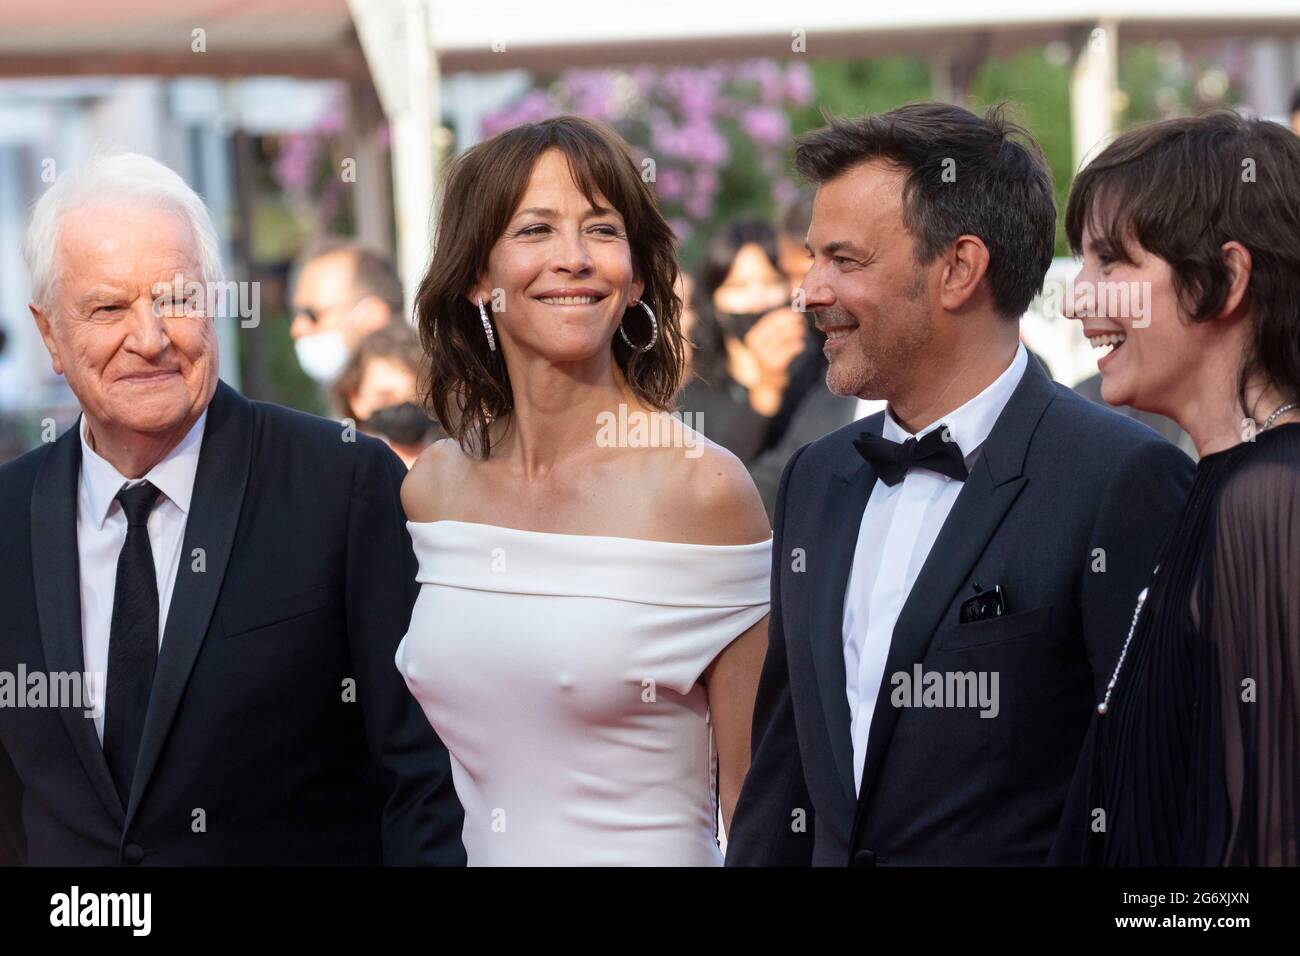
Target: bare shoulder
[(713, 499), (436, 468)]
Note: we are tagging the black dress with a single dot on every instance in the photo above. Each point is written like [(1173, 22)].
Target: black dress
[(1196, 761)]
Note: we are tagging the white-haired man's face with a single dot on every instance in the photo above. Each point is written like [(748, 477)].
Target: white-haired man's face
[(133, 367)]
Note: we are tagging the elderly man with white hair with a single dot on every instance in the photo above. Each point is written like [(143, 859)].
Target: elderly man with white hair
[(211, 590)]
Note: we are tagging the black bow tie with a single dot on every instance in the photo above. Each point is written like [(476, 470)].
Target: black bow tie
[(892, 460)]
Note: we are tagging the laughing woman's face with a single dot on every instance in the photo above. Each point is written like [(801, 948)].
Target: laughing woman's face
[(1130, 312), (562, 269)]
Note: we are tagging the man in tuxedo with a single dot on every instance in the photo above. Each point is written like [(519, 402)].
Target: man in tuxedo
[(953, 576), (218, 585)]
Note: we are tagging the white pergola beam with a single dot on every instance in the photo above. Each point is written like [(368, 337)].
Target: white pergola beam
[(1094, 85), (396, 39)]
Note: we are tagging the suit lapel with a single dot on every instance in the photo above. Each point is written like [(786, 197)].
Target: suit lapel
[(995, 482), (219, 486), (848, 490), (57, 582)]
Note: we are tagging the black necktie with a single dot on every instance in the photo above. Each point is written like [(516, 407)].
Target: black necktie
[(133, 639), (892, 460)]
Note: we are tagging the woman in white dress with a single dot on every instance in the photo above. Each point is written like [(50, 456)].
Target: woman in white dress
[(594, 575)]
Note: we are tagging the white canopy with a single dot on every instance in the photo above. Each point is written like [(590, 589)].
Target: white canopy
[(409, 44)]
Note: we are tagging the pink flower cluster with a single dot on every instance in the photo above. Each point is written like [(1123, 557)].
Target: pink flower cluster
[(687, 119), (304, 170)]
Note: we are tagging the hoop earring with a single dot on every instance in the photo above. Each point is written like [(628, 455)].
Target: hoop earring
[(654, 334), (487, 326)]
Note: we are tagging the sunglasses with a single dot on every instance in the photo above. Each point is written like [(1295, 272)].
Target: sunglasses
[(313, 315)]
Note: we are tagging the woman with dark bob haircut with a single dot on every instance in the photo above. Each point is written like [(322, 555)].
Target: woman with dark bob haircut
[(1189, 231), (594, 575)]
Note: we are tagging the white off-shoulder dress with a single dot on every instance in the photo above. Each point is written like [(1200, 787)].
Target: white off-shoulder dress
[(562, 673)]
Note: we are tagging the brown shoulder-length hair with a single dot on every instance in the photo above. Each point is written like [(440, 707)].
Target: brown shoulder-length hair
[(1181, 188), (467, 386)]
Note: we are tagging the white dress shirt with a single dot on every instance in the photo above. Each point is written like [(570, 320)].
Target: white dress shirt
[(869, 406), (101, 532), (899, 526)]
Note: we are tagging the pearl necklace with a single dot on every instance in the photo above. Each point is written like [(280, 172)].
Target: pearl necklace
[(1282, 410), (1123, 651)]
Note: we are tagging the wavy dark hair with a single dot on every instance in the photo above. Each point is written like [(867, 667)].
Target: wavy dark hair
[(468, 387), (1181, 188)]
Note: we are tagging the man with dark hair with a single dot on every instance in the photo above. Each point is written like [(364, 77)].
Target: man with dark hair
[(342, 292), (953, 576)]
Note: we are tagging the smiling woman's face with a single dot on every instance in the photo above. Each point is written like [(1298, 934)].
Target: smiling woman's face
[(565, 268), (1129, 307), (130, 368)]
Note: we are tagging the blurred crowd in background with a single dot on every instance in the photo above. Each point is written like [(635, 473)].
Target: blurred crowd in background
[(334, 335)]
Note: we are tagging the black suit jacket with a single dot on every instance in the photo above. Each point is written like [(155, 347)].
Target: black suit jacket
[(1090, 388), (279, 730), (1057, 479)]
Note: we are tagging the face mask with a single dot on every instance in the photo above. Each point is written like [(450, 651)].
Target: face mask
[(322, 355), (738, 324), (404, 424)]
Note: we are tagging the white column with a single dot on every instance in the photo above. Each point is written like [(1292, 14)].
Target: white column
[(1270, 78), (397, 43), (1093, 91)]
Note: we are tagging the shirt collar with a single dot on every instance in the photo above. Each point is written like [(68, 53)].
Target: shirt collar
[(970, 424), (173, 476)]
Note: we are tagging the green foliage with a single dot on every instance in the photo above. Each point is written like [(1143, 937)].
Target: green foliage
[(854, 87), (1037, 93), (284, 382), (1160, 80)]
